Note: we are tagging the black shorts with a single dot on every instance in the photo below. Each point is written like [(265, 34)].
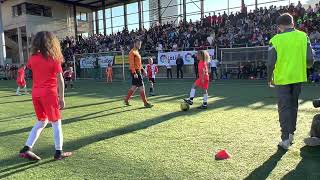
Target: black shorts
[(152, 80), (137, 82), (68, 79)]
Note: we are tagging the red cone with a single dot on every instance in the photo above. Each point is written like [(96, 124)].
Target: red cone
[(222, 155)]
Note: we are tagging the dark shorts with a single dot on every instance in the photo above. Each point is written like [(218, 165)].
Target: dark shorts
[(68, 79), (137, 82), (152, 80)]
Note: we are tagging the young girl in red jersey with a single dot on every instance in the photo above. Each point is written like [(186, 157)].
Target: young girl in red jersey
[(21, 82), (68, 77), (203, 81), (47, 92), (152, 70), (109, 73)]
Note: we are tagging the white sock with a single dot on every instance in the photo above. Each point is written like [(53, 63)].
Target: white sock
[(35, 133), (205, 98), (25, 89), (57, 133), (18, 90), (192, 93)]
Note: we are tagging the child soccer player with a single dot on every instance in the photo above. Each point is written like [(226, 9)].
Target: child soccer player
[(109, 73), (68, 77), (152, 70), (203, 81), (21, 82), (47, 92)]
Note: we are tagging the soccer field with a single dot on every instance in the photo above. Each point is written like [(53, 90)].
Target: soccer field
[(110, 141)]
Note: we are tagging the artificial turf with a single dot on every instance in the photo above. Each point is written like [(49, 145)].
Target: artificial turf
[(111, 141)]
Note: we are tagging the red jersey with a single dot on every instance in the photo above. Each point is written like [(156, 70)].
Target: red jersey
[(67, 74), (21, 75), (203, 82), (152, 70), (203, 68), (44, 73)]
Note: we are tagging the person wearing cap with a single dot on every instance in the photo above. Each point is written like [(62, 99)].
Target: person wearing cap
[(289, 55)]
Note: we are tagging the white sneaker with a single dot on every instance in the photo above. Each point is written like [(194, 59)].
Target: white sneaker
[(291, 138), (18, 94), (285, 144)]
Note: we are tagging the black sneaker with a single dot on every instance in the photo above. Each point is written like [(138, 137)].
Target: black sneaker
[(62, 155), (148, 105), (188, 101), (28, 154), (126, 102), (203, 107)]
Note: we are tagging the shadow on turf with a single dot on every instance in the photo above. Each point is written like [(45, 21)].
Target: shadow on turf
[(76, 144), (73, 120), (267, 167), (308, 167), (19, 101), (21, 167)]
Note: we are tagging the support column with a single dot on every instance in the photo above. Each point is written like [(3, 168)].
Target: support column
[(97, 22), (21, 58), (75, 22), (256, 4), (202, 9), (159, 12), (104, 17), (184, 11), (125, 16), (2, 41), (140, 14), (228, 7), (242, 6)]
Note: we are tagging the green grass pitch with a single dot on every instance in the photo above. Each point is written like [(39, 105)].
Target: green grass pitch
[(110, 141)]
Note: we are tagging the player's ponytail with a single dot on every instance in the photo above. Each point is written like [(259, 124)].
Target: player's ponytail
[(47, 44)]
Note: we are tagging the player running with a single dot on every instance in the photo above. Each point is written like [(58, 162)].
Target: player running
[(21, 82), (136, 71), (203, 81), (152, 70), (47, 92)]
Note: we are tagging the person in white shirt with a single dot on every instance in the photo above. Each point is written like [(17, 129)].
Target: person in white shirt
[(213, 66), (169, 69)]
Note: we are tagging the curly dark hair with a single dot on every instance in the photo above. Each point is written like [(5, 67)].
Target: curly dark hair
[(48, 45)]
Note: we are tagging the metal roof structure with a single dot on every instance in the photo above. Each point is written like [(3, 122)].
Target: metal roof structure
[(92, 4)]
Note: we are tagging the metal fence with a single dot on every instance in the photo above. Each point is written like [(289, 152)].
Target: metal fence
[(231, 62)]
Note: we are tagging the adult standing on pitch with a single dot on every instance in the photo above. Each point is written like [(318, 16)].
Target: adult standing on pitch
[(289, 54), (136, 70), (180, 64)]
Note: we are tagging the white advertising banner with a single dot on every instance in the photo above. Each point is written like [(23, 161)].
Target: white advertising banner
[(187, 56), (88, 62)]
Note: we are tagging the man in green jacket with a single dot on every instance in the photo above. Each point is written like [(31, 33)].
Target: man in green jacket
[(289, 54)]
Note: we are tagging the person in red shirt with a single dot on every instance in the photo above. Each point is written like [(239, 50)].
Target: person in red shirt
[(152, 70), (203, 81), (47, 92), (68, 77), (21, 82)]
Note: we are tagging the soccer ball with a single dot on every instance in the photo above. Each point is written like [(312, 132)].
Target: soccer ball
[(184, 106)]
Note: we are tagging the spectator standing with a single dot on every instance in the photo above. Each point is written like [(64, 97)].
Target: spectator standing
[(195, 64), (96, 67), (179, 63), (213, 66), (169, 69)]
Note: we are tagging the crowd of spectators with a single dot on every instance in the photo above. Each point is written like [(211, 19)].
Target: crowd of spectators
[(8, 72), (253, 28)]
